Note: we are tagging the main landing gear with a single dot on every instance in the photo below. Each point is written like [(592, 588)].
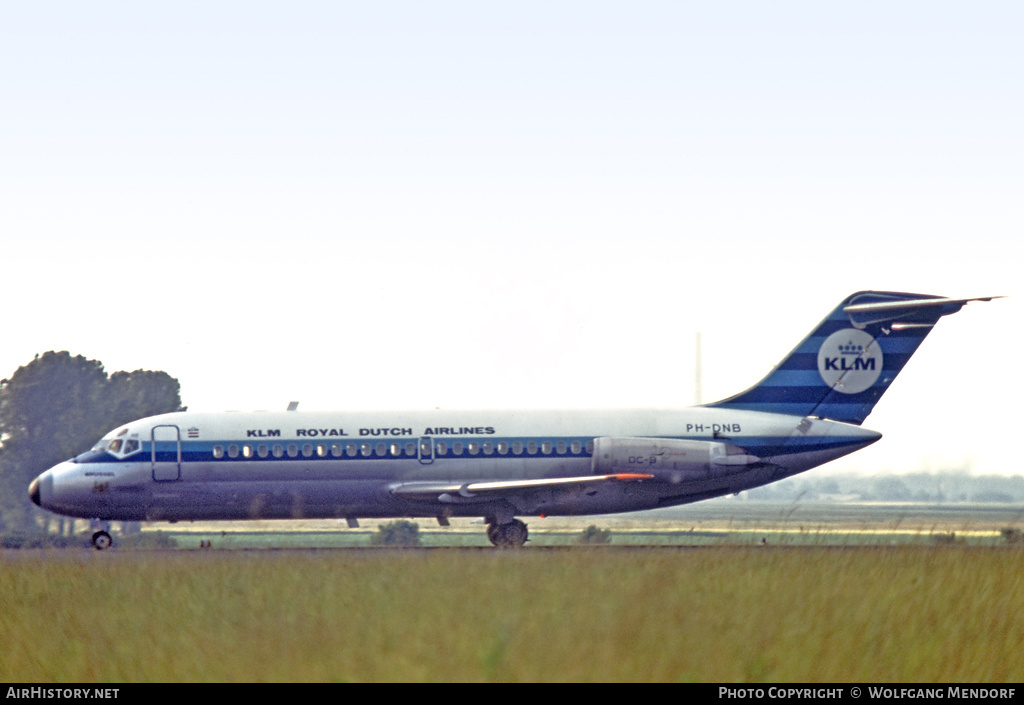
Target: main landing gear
[(512, 534)]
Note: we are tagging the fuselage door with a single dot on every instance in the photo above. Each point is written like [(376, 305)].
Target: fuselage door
[(166, 449), (426, 450)]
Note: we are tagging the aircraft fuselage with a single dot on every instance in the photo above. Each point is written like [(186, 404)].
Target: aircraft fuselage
[(321, 465)]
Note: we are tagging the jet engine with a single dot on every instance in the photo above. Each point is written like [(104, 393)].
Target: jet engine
[(669, 460)]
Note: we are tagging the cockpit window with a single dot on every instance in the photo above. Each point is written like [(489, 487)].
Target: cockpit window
[(119, 445)]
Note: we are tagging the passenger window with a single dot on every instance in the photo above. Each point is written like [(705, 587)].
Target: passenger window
[(321, 451), (502, 448), (410, 449), (232, 451), (561, 447), (278, 450), (246, 451), (307, 450), (441, 448), (545, 447), (366, 450), (473, 447), (336, 450), (457, 448), (293, 450), (262, 451), (531, 448), (488, 448), (590, 447), (517, 447), (382, 449), (351, 450), (396, 449), (218, 452), (576, 447)]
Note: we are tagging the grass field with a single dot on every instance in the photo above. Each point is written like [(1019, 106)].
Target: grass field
[(727, 613)]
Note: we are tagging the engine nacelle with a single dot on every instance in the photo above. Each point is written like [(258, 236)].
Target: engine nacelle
[(669, 460)]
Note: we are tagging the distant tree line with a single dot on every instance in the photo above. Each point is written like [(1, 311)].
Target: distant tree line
[(58, 406), (934, 488)]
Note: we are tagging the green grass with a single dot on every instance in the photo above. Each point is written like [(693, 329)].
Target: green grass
[(730, 614)]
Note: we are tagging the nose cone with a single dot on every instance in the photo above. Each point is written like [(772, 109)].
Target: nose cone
[(40, 491), (33, 492)]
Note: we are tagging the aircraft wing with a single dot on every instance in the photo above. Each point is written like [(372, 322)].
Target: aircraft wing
[(453, 492)]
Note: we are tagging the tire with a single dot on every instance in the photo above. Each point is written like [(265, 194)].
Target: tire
[(101, 540), (511, 535)]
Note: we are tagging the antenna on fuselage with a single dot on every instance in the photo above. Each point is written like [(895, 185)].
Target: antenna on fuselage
[(697, 372), (293, 405)]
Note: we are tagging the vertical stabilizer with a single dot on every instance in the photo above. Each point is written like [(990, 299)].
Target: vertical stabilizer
[(845, 365)]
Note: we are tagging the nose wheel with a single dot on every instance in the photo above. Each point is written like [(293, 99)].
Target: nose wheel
[(101, 540), (509, 535)]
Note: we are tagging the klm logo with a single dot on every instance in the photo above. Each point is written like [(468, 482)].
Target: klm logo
[(844, 364), (850, 361)]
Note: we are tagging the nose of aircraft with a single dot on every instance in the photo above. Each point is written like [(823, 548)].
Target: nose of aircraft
[(40, 490), (61, 489), (33, 492)]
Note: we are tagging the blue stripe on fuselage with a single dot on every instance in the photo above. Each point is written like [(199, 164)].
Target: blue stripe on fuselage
[(202, 451)]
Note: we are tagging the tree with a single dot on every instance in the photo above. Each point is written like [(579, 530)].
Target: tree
[(401, 532), (58, 406), (594, 535)]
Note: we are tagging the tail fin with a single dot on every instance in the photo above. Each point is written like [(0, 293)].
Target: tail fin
[(845, 365)]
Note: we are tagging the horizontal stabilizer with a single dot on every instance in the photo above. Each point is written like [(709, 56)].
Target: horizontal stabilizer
[(906, 312)]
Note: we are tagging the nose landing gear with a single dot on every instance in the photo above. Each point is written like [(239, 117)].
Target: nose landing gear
[(101, 535)]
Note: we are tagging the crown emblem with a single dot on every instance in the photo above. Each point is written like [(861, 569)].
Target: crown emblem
[(851, 349)]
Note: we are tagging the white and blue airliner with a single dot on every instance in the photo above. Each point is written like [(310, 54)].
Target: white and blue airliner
[(500, 465)]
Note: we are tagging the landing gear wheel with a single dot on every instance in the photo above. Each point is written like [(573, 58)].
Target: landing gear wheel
[(101, 540), (492, 533), (510, 535)]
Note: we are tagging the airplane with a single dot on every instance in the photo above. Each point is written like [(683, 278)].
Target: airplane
[(500, 465)]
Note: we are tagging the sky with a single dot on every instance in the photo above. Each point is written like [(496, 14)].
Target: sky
[(409, 205)]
